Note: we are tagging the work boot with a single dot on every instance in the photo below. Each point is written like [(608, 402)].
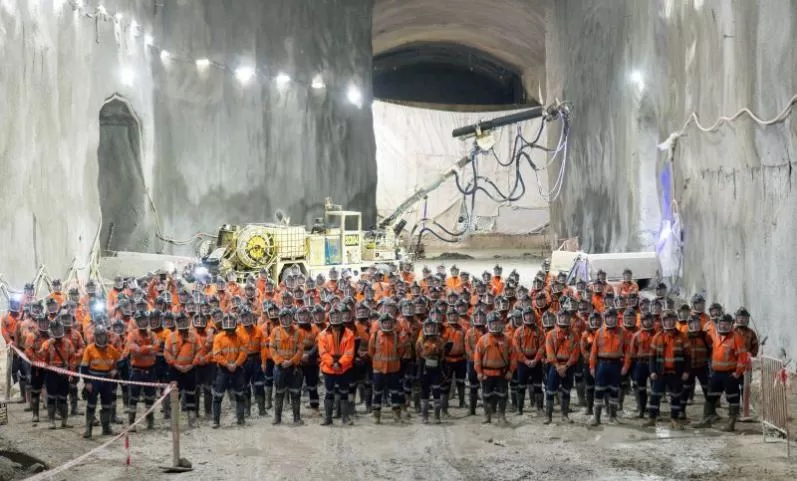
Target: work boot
[(437, 408), (191, 419), (566, 410), (295, 406), (502, 410), (269, 391), (425, 410), (131, 419), (622, 400), (51, 414), (613, 414), (338, 413), (377, 416), (596, 417), (548, 413), (473, 399), (114, 418), (416, 399), (369, 406), (733, 415), (279, 400), (216, 413), (642, 401), (328, 404), (248, 404), (23, 392), (461, 395), (488, 414), (397, 415), (240, 412), (521, 400), (105, 422), (261, 405), (89, 424), (73, 403), (707, 420), (590, 401), (713, 411), (513, 400), (580, 391), (538, 402), (150, 421), (650, 423), (444, 403), (207, 395), (64, 409), (34, 407), (346, 408)]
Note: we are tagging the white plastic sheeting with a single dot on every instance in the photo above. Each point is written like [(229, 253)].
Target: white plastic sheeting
[(414, 146)]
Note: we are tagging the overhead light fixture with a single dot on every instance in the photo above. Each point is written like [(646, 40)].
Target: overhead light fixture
[(283, 79), (165, 55), (202, 63), (148, 40), (102, 10), (355, 96), (318, 82), (118, 16), (244, 74), (127, 76), (638, 79)]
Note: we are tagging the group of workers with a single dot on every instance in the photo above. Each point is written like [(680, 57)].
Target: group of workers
[(400, 342)]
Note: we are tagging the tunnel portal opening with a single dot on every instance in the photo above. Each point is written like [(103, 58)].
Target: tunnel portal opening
[(441, 73), (123, 197)]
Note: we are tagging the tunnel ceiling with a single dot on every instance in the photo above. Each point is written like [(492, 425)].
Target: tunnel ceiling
[(506, 34)]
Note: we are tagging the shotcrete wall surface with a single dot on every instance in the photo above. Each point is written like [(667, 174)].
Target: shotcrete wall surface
[(635, 71), (212, 151)]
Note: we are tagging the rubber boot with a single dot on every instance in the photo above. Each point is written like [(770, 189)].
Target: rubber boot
[(613, 414), (416, 399), (261, 405), (368, 391), (216, 413), (269, 393), (473, 399), (596, 417), (361, 392), (502, 410), (248, 401), (131, 418), (706, 421), (425, 411), (207, 395), (89, 424), (590, 401), (150, 421), (105, 422), (114, 418), (51, 414), (461, 395), (191, 419), (346, 409), (538, 402), (338, 401), (713, 411), (733, 415), (566, 410), (521, 400), (444, 404), (328, 404), (34, 407), (295, 406), (23, 392), (377, 416), (622, 400), (73, 401), (548, 413), (513, 395), (488, 414), (437, 408), (64, 409), (279, 401), (642, 401), (580, 393), (240, 411)]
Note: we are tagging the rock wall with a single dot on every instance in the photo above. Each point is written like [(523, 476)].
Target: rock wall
[(230, 153), (635, 71), (211, 151)]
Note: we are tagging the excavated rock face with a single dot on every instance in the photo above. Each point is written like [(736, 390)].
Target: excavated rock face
[(231, 153), (634, 72)]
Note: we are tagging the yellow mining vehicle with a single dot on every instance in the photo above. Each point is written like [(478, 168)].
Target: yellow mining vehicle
[(336, 240)]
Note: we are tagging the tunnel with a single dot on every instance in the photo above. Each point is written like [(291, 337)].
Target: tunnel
[(123, 197)]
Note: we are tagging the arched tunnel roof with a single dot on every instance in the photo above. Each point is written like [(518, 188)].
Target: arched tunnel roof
[(511, 31)]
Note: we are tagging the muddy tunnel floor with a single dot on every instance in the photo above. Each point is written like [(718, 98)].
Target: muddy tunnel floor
[(459, 449)]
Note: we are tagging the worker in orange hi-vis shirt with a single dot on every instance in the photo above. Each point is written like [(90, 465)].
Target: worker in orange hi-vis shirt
[(229, 354), (729, 359), (336, 350), (495, 365)]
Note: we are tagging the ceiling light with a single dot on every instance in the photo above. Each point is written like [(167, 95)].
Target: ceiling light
[(244, 74)]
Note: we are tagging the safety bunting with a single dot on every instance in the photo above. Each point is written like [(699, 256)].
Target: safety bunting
[(67, 372), (52, 472)]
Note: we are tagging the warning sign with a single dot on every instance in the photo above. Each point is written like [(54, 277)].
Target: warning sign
[(3, 414)]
